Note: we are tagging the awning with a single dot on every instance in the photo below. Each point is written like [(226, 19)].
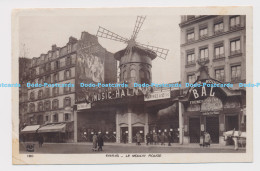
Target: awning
[(30, 129), (60, 127)]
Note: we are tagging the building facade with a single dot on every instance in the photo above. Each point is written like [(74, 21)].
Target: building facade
[(213, 50), (51, 107)]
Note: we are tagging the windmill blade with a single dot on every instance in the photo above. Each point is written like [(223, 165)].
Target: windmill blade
[(138, 24), (104, 33), (161, 52)]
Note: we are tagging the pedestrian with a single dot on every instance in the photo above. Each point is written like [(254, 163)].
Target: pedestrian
[(155, 138), (124, 138), (40, 140), (162, 138), (94, 139), (147, 138), (138, 138), (207, 139), (151, 138), (169, 138), (100, 142)]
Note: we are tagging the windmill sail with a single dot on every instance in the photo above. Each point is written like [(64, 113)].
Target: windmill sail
[(104, 33), (161, 52)]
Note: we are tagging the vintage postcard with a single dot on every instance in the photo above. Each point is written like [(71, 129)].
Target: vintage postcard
[(132, 85)]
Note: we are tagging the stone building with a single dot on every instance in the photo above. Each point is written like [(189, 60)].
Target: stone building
[(213, 50)]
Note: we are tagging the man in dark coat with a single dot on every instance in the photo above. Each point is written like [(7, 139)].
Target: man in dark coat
[(100, 142), (40, 140)]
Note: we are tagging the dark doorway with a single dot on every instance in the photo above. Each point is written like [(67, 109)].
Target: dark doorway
[(232, 122), (139, 129), (212, 127), (194, 130), (124, 134)]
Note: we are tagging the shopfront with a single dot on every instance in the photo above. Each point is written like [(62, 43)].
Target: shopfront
[(213, 110)]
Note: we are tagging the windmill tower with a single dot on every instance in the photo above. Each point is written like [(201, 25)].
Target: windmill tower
[(135, 61)]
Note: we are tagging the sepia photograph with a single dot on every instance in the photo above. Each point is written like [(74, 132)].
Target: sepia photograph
[(132, 85)]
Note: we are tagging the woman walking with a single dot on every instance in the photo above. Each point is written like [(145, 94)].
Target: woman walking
[(95, 139)]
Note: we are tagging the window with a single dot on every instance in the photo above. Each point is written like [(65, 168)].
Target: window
[(220, 74), (55, 91), (124, 75), (235, 47), (40, 106), (46, 118), (56, 77), (48, 79), (55, 104), (218, 27), (191, 78), (55, 117), (32, 96), (132, 73), (67, 89), (69, 48), (67, 74), (147, 74), (47, 92), (56, 64), (203, 32), (190, 36), (68, 60), (67, 102), (234, 21), (32, 107), (190, 17), (219, 51), (47, 105), (66, 117), (235, 72), (40, 94), (190, 58), (204, 53)]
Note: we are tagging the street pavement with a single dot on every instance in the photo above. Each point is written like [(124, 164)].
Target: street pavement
[(79, 148)]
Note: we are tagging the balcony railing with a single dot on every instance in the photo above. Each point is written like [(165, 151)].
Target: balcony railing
[(203, 60)]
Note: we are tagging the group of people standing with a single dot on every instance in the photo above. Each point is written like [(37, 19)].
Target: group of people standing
[(161, 138), (98, 142)]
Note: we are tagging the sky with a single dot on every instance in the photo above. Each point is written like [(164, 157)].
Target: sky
[(39, 32)]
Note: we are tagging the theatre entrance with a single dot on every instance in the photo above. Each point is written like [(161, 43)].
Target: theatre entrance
[(194, 129), (139, 129), (212, 127)]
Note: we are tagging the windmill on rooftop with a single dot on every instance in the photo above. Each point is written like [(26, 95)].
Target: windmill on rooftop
[(136, 59)]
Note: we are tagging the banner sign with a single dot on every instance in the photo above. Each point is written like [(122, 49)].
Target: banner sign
[(158, 95)]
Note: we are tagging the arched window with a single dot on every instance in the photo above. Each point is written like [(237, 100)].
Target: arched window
[(55, 104), (40, 94), (32, 107), (147, 74), (32, 95), (124, 75), (67, 102), (132, 73), (40, 106), (47, 105), (141, 74)]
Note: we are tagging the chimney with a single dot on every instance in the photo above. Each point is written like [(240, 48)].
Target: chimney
[(54, 47)]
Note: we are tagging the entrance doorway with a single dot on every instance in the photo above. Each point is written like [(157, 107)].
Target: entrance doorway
[(194, 130), (212, 127), (124, 134), (232, 122), (139, 129)]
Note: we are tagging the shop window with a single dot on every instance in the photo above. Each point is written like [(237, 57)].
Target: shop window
[(235, 47), (235, 73), (220, 74)]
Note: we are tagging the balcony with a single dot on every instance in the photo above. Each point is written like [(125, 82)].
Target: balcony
[(235, 79), (190, 64), (219, 57), (203, 61)]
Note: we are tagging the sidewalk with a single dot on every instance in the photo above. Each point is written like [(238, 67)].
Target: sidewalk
[(173, 145)]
